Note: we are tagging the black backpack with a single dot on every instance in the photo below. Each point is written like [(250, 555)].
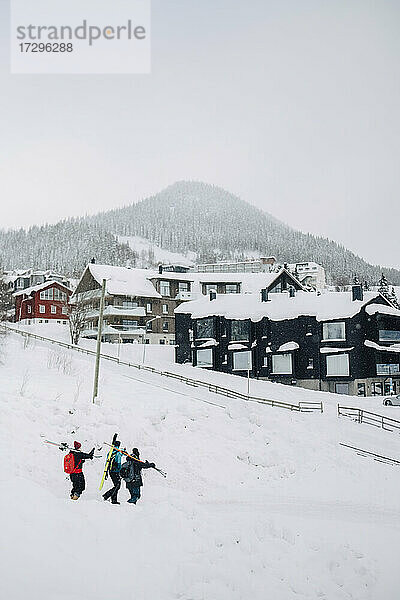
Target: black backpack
[(124, 472)]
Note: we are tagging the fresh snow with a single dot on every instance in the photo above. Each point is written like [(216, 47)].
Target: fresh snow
[(146, 248), (259, 502), (325, 307)]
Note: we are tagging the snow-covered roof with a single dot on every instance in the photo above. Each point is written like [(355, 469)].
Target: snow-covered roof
[(325, 307), (122, 281), (41, 286), (391, 348), (372, 309)]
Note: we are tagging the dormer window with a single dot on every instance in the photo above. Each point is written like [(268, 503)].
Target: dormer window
[(165, 288)]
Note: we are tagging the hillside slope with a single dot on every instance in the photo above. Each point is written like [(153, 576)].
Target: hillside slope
[(201, 221), (197, 217), (256, 499)]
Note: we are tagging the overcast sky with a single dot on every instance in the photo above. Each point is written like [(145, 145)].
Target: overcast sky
[(293, 105)]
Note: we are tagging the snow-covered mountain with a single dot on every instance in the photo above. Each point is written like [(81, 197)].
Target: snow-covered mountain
[(193, 219), (258, 502)]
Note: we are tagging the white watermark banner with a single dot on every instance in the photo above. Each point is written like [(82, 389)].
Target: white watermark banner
[(80, 36)]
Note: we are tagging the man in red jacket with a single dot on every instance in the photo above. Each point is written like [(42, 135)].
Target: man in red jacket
[(77, 477)]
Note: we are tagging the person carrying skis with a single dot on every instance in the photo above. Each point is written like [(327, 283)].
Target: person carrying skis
[(131, 470), (77, 477), (113, 470)]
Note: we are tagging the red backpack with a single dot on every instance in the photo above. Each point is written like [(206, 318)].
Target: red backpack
[(69, 463)]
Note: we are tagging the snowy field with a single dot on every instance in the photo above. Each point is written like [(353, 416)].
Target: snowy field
[(258, 503)]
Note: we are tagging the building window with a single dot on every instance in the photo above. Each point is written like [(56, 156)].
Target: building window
[(165, 326), (204, 328), (242, 361), (46, 294), (20, 284), (165, 309), (204, 358), (209, 287), (162, 341), (377, 389), (64, 310), (361, 389), (310, 363), (128, 324), (334, 331), (42, 308), (29, 307), (341, 388), (386, 335), (64, 322), (165, 288), (337, 365), (59, 295), (184, 286), (129, 304), (387, 369), (282, 364), (149, 326), (53, 309), (232, 288), (149, 307), (240, 330)]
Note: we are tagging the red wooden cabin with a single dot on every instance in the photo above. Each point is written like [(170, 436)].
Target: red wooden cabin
[(44, 303)]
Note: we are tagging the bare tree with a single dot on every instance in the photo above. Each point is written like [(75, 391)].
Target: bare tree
[(77, 313), (6, 301)]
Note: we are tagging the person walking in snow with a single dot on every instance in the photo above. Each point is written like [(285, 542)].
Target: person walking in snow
[(77, 477), (132, 470), (113, 470)]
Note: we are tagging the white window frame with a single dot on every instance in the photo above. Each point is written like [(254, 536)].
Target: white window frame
[(64, 310), (53, 309), (203, 352), (29, 309), (241, 356), (42, 308), (149, 307), (325, 331), (337, 371), (165, 284), (165, 309), (276, 369)]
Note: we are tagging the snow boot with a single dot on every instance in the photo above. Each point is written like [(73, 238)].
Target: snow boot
[(74, 497), (131, 501)]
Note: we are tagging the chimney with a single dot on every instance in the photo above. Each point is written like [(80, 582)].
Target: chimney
[(357, 292), (264, 295), (213, 295), (292, 292), (160, 269)]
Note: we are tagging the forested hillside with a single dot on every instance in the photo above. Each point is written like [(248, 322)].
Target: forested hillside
[(185, 217), (193, 216)]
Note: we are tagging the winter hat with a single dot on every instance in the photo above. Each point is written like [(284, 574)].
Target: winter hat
[(135, 452), (77, 445)]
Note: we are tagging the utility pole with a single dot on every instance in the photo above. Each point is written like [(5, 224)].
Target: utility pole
[(99, 328)]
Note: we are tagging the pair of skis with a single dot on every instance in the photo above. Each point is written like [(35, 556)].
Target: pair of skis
[(108, 460), (64, 446)]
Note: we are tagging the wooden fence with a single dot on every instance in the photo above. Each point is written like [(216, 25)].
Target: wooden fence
[(305, 407), (359, 415)]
